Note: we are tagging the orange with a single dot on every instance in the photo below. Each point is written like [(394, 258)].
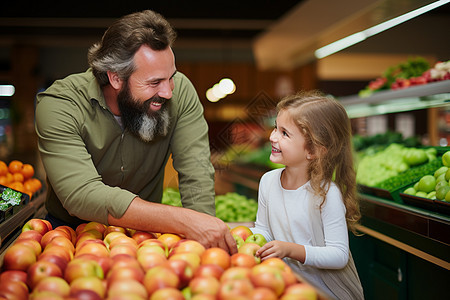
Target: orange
[(29, 185), (3, 180), (9, 177), (18, 177), (27, 171), (3, 168), (37, 184), (18, 186), (15, 166)]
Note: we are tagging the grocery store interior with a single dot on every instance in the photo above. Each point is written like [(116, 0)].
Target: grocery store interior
[(270, 49)]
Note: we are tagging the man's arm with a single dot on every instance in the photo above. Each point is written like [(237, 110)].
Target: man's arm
[(209, 231)]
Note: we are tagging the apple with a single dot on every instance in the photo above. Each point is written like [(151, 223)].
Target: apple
[(192, 258), (300, 290), (10, 289), (123, 249), (65, 253), (70, 232), (169, 239), (93, 226), (167, 294), (30, 234), (93, 248), (242, 260), (36, 224), (47, 237), (47, 295), (122, 273), (53, 284), (35, 245), (209, 270), (127, 287), (256, 238), (42, 269), (446, 159), (217, 256), (104, 262), (160, 277), (250, 249), (239, 240), (112, 228), (88, 235), (57, 260), (204, 285), (123, 260), (186, 245), (150, 248), (205, 297), (13, 275), (82, 268), (110, 236), (242, 231), (235, 273), (92, 283), (140, 236), (235, 289), (155, 242), (121, 240), (19, 257), (287, 273), (80, 228), (183, 270), (151, 260), (62, 241), (83, 295), (263, 293), (268, 276), (81, 243)]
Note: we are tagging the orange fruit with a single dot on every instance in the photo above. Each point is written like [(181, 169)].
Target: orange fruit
[(27, 171), (18, 177), (9, 177), (28, 185), (3, 180), (3, 168), (15, 166), (18, 186), (37, 184)]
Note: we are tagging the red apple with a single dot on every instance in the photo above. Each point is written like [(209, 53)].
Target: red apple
[(13, 275), (57, 260), (93, 248), (36, 224), (150, 248), (268, 276), (80, 228), (32, 244), (47, 237), (53, 284), (186, 245), (183, 270), (160, 277), (216, 256), (40, 270), (123, 260), (209, 270), (19, 257), (192, 258), (82, 268), (235, 273), (10, 289), (62, 241), (104, 262), (65, 253), (242, 260), (121, 240), (92, 283), (94, 226), (263, 293), (83, 295), (110, 236), (70, 232), (204, 285), (300, 290), (154, 242), (83, 242), (169, 239), (151, 260), (88, 235), (122, 273), (30, 234), (250, 249), (140, 236), (123, 249), (167, 294), (112, 228), (242, 231), (235, 289), (49, 225), (127, 287), (287, 273)]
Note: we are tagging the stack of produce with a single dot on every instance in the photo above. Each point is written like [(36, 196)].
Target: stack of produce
[(434, 185), (230, 207), (109, 262)]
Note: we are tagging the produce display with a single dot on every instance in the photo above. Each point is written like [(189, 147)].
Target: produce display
[(96, 261), (230, 207), (415, 71), (395, 161), (435, 184)]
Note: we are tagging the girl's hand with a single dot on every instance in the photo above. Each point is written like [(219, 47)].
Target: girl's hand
[(273, 249)]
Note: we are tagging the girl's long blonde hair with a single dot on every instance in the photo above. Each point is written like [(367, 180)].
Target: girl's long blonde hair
[(327, 132)]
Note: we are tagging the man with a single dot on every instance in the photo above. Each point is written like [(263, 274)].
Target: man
[(105, 137)]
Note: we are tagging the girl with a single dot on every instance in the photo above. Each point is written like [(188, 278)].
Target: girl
[(303, 213)]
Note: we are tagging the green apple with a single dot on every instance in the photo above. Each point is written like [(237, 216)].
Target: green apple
[(446, 159), (410, 191), (447, 196), (442, 191), (239, 241), (427, 183), (421, 194), (431, 195), (440, 171), (256, 238)]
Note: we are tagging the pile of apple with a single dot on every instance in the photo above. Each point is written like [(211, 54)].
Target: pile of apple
[(95, 261)]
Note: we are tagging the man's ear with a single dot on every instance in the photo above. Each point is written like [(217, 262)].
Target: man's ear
[(114, 79)]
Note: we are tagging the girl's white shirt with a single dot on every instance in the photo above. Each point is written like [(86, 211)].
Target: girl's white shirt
[(284, 215)]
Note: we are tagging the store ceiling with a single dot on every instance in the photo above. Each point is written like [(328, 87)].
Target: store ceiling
[(281, 34)]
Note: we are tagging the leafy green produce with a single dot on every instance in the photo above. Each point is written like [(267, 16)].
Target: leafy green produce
[(172, 197)]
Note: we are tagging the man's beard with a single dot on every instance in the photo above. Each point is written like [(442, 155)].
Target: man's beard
[(139, 119)]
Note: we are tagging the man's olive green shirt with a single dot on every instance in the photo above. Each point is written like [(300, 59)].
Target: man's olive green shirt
[(94, 168)]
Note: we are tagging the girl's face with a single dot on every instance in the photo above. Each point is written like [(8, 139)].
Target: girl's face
[(288, 143)]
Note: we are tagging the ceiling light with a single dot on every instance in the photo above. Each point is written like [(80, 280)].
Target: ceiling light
[(7, 90), (362, 35)]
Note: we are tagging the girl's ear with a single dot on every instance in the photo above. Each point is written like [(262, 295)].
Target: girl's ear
[(114, 79)]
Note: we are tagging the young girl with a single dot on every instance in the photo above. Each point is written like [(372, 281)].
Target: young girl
[(306, 208)]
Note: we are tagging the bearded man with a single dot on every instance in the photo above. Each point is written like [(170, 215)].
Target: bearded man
[(105, 136)]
